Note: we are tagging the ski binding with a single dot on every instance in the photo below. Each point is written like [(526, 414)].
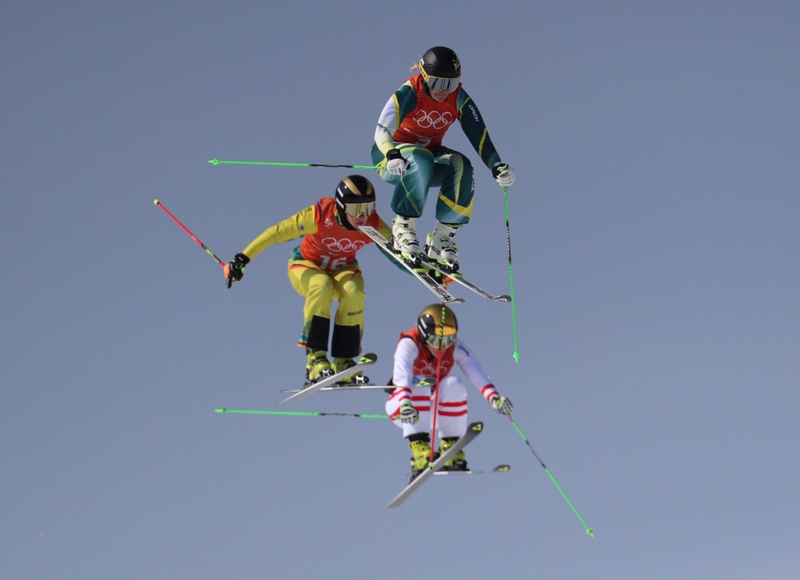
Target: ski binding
[(473, 431), (419, 273), (498, 469), (459, 279), (364, 362)]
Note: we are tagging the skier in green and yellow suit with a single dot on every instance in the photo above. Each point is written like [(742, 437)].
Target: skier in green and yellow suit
[(323, 268), (408, 149)]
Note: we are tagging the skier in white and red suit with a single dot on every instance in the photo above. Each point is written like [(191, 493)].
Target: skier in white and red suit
[(417, 358)]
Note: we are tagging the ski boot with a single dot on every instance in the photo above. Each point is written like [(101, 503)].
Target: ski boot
[(440, 247), (341, 364), (420, 455), (318, 366), (404, 239), (459, 461)]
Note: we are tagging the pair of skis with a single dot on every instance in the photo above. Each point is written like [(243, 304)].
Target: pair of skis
[(436, 468), (364, 362), (423, 272)]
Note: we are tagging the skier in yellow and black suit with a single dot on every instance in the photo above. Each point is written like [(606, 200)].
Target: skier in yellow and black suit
[(323, 268)]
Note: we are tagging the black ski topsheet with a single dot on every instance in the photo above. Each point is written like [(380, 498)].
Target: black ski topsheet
[(459, 279), (420, 274), (473, 431), (365, 361)]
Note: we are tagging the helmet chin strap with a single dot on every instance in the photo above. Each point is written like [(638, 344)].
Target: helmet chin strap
[(426, 89), (341, 218)]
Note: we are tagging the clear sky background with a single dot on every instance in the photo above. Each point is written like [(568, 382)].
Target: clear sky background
[(654, 224)]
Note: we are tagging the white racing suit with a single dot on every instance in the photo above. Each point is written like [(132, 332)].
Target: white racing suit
[(412, 363)]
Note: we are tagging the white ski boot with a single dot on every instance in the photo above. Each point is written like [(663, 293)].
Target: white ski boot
[(404, 237), (440, 247)]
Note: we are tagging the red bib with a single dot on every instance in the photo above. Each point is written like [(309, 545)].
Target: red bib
[(332, 246), (428, 122), (425, 364)]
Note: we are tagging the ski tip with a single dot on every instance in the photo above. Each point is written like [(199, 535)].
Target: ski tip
[(370, 357), (502, 468), (477, 426), (458, 301), (503, 298)]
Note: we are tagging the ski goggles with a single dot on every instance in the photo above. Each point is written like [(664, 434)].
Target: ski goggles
[(438, 84), (436, 341), (358, 209)]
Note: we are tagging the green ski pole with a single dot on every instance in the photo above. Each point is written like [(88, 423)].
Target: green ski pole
[(589, 530), (225, 411), (511, 278), (217, 162)]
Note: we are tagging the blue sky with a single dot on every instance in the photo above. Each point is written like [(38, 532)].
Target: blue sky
[(655, 244)]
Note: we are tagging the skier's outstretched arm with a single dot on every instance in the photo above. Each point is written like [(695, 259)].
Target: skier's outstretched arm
[(475, 129), (470, 366), (298, 225)]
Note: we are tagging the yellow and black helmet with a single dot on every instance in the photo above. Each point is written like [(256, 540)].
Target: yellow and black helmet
[(355, 196)]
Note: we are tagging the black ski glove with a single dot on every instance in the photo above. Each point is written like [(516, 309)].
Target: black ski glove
[(235, 270)]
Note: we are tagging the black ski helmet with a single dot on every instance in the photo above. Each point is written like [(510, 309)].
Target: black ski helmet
[(442, 62), (353, 189), (429, 323)]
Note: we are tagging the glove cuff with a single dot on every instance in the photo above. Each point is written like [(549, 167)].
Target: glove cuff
[(393, 154), (242, 258)]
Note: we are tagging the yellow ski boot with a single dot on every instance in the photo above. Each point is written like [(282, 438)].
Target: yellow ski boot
[(456, 463), (318, 366)]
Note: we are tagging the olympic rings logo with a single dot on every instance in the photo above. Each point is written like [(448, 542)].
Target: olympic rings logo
[(337, 245), (424, 368), (434, 119)]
